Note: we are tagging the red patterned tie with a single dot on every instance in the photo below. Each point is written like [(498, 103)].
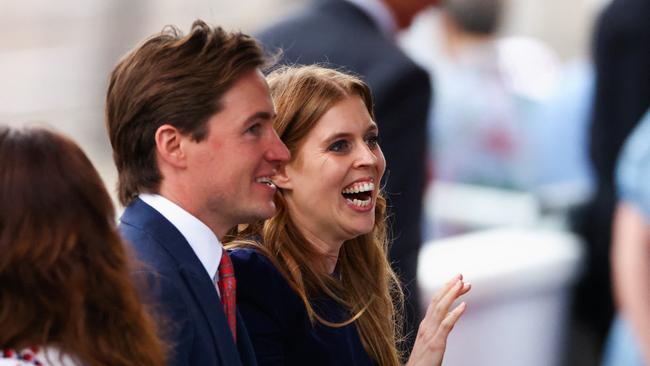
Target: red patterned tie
[(227, 287)]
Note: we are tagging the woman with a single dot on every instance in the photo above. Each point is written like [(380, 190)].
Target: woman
[(66, 296), (319, 290), (628, 342)]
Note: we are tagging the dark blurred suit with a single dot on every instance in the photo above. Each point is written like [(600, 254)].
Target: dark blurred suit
[(337, 33), (622, 61)]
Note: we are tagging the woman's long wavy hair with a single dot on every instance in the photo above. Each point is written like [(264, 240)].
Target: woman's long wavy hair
[(366, 286), (64, 271)]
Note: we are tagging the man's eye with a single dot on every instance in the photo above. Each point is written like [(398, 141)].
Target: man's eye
[(254, 129), (339, 146)]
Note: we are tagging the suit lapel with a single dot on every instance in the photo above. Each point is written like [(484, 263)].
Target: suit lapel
[(206, 296), (141, 215)]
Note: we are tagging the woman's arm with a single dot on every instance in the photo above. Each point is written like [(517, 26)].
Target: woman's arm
[(631, 271)]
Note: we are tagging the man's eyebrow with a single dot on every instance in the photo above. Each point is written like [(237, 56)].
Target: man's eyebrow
[(261, 115)]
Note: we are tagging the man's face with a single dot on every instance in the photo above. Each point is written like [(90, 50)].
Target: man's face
[(229, 169)]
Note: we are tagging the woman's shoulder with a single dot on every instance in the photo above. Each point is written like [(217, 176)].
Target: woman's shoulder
[(254, 270), (260, 284), (251, 260)]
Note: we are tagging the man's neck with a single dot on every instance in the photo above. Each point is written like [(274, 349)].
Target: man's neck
[(405, 11), (196, 209)]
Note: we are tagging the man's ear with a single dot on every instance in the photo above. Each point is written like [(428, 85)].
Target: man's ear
[(169, 146), (282, 179)]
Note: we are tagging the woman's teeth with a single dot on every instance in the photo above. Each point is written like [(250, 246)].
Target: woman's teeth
[(359, 194), (359, 203), (360, 187)]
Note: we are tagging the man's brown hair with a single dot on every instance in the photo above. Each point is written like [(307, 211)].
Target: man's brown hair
[(170, 79)]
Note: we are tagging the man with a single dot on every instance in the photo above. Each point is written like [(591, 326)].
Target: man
[(358, 36), (190, 122)]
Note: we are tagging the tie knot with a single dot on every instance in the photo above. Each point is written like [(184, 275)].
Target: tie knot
[(225, 266)]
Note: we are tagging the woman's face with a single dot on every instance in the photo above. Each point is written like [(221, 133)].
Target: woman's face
[(332, 183)]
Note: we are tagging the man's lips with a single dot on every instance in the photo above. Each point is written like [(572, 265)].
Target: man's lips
[(266, 180)]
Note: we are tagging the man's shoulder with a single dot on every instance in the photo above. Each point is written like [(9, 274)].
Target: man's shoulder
[(347, 40), (146, 231), (319, 23)]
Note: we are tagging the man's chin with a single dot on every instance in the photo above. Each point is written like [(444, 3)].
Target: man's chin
[(263, 212)]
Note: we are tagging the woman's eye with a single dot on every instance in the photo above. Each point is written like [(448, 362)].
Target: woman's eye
[(373, 141), (339, 146)]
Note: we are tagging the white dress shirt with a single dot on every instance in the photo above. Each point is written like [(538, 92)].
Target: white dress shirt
[(380, 14), (203, 241)]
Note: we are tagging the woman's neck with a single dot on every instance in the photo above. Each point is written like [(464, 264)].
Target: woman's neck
[(329, 249)]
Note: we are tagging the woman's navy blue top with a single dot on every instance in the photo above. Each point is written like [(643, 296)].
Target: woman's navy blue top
[(277, 320)]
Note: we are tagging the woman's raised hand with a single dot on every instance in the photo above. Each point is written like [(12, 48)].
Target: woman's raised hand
[(431, 340)]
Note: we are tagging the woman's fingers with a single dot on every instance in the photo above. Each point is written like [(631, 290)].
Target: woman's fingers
[(446, 287), (439, 308), (441, 292), (450, 320), (466, 287), (442, 307), (438, 322)]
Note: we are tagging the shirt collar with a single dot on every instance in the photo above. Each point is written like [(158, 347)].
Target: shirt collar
[(203, 241), (380, 14)]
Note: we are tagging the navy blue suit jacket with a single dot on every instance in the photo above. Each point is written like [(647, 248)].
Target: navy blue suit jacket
[(192, 313), (278, 323)]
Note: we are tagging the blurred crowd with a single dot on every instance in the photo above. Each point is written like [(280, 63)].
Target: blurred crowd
[(461, 105)]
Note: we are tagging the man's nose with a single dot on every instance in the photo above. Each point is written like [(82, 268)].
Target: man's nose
[(278, 151)]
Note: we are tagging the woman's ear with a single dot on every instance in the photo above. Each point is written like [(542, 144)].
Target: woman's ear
[(282, 179)]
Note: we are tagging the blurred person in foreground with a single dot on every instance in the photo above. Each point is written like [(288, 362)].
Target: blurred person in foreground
[(190, 122), (629, 337), (319, 289), (66, 297), (622, 95), (359, 35)]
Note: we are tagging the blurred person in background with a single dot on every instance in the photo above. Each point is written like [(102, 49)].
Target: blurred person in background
[(622, 95), (319, 289), (66, 297), (189, 118), (628, 343), (476, 133), (359, 35), (490, 90)]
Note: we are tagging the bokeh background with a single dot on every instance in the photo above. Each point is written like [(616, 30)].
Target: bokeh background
[(55, 57)]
